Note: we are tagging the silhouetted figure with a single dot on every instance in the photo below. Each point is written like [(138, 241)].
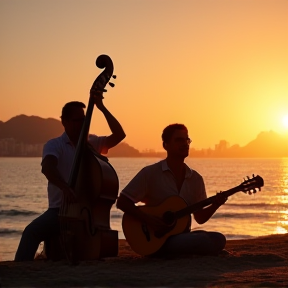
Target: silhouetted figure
[(153, 186), (57, 160)]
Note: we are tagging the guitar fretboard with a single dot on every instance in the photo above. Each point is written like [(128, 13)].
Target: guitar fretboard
[(191, 209)]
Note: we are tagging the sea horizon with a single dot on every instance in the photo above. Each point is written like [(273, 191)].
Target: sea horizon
[(24, 196)]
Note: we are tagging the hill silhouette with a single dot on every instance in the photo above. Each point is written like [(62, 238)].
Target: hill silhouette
[(29, 130), (123, 150), (267, 144), (36, 130), (276, 144)]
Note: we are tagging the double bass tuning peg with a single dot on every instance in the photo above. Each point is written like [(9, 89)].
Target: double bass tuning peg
[(111, 84)]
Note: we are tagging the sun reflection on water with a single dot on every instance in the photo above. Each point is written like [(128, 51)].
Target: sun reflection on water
[(281, 230), (282, 224)]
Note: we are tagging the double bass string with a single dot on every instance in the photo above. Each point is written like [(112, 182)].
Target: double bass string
[(69, 212), (64, 226)]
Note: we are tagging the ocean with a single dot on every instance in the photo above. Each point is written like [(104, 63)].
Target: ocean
[(23, 196)]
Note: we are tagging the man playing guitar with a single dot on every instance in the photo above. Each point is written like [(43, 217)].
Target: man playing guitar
[(156, 183)]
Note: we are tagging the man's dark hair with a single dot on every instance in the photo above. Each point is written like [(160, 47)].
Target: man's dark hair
[(66, 110), (170, 129)]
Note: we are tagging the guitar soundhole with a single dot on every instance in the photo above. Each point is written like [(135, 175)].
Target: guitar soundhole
[(169, 217), (146, 232)]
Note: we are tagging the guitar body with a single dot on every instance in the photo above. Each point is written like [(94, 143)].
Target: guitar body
[(142, 238), (144, 241)]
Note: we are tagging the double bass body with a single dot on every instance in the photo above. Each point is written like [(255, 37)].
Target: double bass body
[(89, 233)]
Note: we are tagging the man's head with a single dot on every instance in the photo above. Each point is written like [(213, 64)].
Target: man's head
[(72, 119), (176, 140)]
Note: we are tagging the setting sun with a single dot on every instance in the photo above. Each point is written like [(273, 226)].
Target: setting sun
[(285, 121)]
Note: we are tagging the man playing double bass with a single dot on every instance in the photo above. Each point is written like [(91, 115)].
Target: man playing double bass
[(57, 161)]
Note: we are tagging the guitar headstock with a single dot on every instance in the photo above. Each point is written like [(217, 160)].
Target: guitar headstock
[(250, 185)]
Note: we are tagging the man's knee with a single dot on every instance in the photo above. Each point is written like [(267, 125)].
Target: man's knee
[(219, 241), (222, 241), (29, 230)]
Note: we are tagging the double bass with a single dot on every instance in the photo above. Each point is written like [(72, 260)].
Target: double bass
[(85, 230)]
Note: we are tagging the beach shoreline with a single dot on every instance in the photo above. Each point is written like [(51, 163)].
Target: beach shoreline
[(257, 262)]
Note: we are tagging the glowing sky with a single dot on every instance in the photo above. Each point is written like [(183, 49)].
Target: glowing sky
[(218, 66)]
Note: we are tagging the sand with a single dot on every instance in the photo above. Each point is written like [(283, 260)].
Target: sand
[(259, 262)]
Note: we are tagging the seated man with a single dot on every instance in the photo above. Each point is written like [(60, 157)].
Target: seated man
[(57, 161), (157, 182)]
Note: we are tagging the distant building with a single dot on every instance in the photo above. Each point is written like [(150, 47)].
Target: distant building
[(9, 147)]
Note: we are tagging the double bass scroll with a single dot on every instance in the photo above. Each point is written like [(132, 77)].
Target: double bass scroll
[(85, 224)]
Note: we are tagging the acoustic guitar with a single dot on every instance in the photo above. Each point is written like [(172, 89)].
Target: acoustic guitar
[(177, 214)]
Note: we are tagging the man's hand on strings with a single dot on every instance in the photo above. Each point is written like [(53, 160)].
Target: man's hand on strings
[(220, 199), (69, 194), (157, 224)]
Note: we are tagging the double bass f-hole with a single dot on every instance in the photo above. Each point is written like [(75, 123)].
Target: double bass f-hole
[(90, 226)]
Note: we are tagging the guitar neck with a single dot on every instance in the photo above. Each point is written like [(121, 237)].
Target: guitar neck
[(192, 208)]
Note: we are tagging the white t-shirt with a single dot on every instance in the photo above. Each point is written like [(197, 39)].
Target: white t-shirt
[(156, 182), (62, 148)]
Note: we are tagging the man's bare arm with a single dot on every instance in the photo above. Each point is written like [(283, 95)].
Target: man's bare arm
[(49, 169)]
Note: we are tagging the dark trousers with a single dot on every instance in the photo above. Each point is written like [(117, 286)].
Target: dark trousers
[(40, 229), (197, 242)]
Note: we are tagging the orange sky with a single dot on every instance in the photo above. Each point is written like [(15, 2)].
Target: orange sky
[(218, 66)]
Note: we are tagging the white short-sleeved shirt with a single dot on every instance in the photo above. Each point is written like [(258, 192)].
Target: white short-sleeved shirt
[(62, 148), (156, 182)]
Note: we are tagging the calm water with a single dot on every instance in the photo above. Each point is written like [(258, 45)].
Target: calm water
[(23, 196)]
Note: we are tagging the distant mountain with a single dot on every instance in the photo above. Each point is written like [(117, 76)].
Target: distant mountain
[(123, 150), (30, 129), (269, 144), (35, 130)]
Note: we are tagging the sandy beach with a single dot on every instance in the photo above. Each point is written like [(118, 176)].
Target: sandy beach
[(259, 262)]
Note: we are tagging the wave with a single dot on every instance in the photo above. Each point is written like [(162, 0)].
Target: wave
[(116, 215), (6, 231), (14, 212), (256, 205), (230, 236), (13, 195), (239, 215), (217, 215), (238, 236)]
